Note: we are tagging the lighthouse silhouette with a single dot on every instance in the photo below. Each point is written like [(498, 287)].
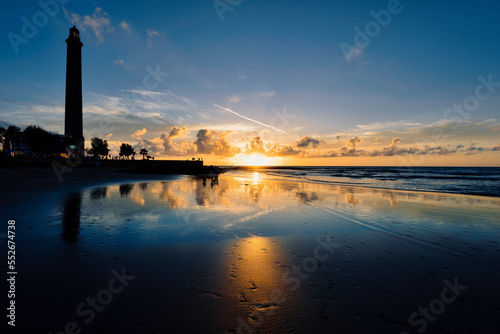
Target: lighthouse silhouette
[(73, 118)]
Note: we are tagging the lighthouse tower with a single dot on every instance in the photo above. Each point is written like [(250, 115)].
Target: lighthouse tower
[(73, 119)]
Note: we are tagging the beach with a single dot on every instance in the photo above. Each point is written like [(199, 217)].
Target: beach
[(106, 252)]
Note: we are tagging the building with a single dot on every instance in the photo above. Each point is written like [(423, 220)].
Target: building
[(73, 119)]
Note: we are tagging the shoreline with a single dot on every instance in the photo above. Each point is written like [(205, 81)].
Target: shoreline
[(28, 178)]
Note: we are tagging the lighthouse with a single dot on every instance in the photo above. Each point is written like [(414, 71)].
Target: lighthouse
[(73, 118)]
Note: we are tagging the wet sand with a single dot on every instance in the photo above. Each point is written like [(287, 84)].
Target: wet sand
[(124, 253)]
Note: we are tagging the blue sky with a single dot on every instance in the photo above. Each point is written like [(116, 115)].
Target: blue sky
[(279, 63)]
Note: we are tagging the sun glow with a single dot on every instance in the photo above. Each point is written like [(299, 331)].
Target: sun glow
[(255, 178), (256, 159)]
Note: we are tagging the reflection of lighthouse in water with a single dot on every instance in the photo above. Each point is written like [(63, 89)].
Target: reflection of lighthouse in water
[(72, 205), (73, 119)]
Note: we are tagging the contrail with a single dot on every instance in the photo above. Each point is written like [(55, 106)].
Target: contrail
[(249, 119)]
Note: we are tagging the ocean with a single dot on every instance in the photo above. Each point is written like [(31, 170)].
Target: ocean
[(480, 181)]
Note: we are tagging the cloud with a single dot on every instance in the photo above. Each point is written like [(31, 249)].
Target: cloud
[(175, 149), (386, 125), (214, 142), (125, 26), (98, 22), (256, 145), (474, 150), (395, 141), (138, 134), (124, 64), (307, 141), (151, 34), (263, 95), (352, 142), (278, 150), (439, 132), (233, 99), (355, 53), (496, 148), (350, 150)]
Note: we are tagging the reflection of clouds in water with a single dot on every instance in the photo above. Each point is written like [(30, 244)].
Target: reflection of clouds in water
[(138, 198), (391, 198), (238, 200), (351, 199)]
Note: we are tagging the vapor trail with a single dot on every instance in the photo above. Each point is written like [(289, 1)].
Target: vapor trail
[(249, 119)]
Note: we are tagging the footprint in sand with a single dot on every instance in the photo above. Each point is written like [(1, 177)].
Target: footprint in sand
[(242, 298), (233, 271), (252, 287), (209, 294)]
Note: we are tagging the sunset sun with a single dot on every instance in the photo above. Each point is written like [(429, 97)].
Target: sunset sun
[(256, 159)]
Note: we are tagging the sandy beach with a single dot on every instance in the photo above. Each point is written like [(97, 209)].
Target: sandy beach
[(105, 252)]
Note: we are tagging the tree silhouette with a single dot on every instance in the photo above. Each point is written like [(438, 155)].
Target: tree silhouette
[(99, 147), (144, 152), (9, 136), (126, 150), (41, 141)]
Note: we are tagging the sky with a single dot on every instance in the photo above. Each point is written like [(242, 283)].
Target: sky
[(287, 82)]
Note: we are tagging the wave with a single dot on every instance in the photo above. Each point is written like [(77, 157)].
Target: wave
[(481, 181)]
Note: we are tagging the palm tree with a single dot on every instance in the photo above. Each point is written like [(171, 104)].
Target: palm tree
[(9, 136)]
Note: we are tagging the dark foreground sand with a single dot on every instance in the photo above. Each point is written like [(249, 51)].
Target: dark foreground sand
[(106, 252)]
